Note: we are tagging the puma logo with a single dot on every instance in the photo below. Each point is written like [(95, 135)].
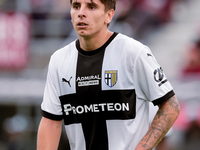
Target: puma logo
[(64, 80), (149, 54)]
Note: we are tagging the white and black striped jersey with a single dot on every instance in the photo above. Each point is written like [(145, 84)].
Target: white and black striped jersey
[(103, 95)]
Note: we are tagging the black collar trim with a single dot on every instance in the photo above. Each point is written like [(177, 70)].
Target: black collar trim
[(94, 52)]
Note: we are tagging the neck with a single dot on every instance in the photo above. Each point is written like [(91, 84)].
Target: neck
[(94, 42)]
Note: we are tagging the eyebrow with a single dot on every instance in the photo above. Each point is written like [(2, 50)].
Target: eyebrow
[(75, 3), (88, 3), (93, 4)]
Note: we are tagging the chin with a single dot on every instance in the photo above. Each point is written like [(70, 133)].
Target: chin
[(83, 34)]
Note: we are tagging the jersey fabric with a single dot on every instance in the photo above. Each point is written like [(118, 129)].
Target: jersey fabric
[(103, 95)]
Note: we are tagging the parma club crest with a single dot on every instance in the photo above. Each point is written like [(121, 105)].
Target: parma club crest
[(110, 78)]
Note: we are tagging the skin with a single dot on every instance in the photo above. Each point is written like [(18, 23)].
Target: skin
[(163, 121), (95, 32), (90, 20), (49, 133)]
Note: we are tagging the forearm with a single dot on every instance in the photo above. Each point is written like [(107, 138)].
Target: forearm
[(48, 134), (163, 121)]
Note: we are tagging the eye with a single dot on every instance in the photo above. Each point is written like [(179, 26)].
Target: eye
[(92, 6), (76, 6)]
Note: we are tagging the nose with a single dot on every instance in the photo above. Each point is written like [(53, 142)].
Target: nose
[(82, 13), (81, 16)]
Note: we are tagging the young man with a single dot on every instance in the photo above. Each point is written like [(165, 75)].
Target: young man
[(101, 85)]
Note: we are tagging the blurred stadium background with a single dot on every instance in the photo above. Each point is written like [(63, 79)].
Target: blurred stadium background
[(31, 30)]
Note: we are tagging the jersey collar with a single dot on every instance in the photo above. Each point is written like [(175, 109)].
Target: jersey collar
[(94, 52)]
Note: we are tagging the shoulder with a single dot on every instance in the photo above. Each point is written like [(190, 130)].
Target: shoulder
[(63, 55), (129, 41), (64, 52), (128, 46)]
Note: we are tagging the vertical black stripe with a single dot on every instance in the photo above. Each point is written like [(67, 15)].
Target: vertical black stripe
[(90, 65), (94, 127)]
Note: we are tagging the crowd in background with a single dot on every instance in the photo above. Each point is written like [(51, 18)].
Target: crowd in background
[(192, 64), (139, 16), (135, 18)]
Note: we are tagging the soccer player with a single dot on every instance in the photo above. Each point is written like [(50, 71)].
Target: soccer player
[(101, 86)]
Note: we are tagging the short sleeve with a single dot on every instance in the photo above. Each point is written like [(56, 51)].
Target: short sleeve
[(51, 106), (150, 81)]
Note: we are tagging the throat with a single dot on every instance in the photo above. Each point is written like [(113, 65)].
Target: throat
[(94, 42)]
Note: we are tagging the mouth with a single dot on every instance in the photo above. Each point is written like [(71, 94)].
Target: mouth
[(82, 24)]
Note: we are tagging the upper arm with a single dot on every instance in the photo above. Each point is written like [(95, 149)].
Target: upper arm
[(167, 113), (49, 133), (171, 105), (165, 117), (50, 122)]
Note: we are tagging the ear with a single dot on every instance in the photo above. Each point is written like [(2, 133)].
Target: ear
[(109, 16)]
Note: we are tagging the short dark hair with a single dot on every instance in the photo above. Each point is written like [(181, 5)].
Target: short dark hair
[(109, 4)]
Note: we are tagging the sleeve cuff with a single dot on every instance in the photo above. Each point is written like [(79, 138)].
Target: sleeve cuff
[(51, 116), (164, 98)]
